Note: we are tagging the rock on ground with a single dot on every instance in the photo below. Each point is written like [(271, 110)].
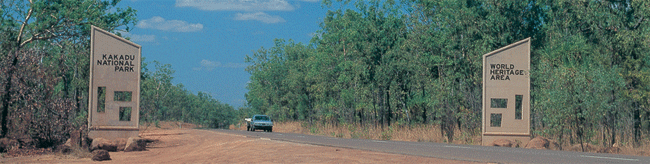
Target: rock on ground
[(135, 144), (538, 143), (121, 144), (101, 155), (504, 143), (104, 144)]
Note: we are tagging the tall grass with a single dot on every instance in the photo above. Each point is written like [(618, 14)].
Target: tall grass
[(413, 133)]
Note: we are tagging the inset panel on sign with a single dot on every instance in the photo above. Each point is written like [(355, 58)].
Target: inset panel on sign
[(518, 99), (498, 103), (125, 113), (495, 120), (101, 99), (122, 96)]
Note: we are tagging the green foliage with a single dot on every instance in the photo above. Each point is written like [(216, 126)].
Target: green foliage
[(375, 63), (44, 61)]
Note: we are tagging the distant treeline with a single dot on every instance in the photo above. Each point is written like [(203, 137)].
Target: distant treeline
[(387, 63), (162, 101)]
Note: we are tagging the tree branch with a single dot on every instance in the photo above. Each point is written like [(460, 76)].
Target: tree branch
[(22, 27), (638, 23)]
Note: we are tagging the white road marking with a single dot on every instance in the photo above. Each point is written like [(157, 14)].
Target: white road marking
[(378, 141), (458, 147), (625, 159)]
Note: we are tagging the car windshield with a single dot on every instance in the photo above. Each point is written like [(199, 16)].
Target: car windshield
[(261, 118)]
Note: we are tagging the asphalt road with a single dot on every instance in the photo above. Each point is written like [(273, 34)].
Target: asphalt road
[(450, 151)]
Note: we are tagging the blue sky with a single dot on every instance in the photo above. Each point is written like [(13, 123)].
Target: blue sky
[(206, 41)]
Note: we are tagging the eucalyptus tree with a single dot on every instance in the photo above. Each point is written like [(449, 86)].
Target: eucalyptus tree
[(156, 90), (50, 39), (419, 61), (45, 60), (604, 43), (447, 40)]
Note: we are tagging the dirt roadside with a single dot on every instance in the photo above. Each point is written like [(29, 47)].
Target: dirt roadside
[(203, 146)]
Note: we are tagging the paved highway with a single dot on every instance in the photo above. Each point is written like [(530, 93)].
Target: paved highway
[(450, 151)]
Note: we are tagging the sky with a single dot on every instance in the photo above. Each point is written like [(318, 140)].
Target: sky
[(206, 41)]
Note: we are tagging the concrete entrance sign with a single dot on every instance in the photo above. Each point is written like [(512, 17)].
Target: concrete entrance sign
[(114, 92), (506, 93)]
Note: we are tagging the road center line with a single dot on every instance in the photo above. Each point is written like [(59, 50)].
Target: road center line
[(625, 159), (458, 147)]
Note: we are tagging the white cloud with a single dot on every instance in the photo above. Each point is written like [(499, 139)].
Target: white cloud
[(160, 23), (259, 16), (237, 5), (211, 65), (313, 34), (139, 38)]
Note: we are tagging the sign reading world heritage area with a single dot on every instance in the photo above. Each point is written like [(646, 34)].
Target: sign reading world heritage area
[(506, 93), (114, 92)]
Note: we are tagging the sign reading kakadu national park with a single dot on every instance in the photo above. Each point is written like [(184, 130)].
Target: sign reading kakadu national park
[(122, 63), (114, 92), (506, 94)]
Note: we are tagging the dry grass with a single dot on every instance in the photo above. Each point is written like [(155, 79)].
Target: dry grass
[(640, 151), (169, 125), (147, 127), (76, 153), (418, 133)]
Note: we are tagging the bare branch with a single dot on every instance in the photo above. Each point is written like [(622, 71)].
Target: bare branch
[(638, 23), (22, 27), (37, 38)]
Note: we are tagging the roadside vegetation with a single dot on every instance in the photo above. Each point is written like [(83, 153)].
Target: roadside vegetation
[(44, 73), (390, 65)]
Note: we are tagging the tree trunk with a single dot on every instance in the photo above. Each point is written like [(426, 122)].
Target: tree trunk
[(579, 128), (424, 107), (6, 98), (637, 124), (389, 114), (361, 117), (612, 121), (613, 139), (424, 114)]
